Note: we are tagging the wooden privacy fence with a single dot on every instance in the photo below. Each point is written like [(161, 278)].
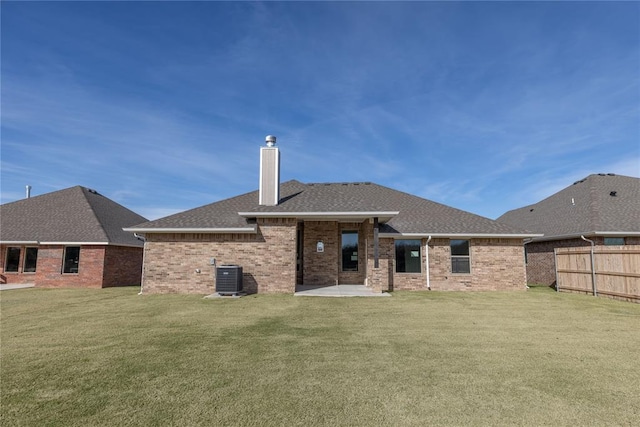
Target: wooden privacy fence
[(616, 271)]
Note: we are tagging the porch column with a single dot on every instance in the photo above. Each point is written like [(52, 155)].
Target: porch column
[(376, 262)]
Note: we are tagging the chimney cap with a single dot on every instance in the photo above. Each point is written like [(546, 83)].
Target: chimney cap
[(270, 140)]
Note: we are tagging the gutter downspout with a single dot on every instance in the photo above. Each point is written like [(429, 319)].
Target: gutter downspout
[(144, 253), (427, 264), (593, 270)]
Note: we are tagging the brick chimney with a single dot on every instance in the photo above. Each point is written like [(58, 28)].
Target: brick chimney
[(269, 173)]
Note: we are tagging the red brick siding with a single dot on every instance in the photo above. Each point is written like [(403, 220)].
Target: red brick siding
[(92, 271), (90, 268), (18, 277), (49, 268), (268, 259), (122, 266)]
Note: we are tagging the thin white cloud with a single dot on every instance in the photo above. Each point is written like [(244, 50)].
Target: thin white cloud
[(468, 104)]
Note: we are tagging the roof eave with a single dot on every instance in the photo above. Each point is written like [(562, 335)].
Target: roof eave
[(66, 243), (75, 243), (207, 230), (459, 235), (544, 238)]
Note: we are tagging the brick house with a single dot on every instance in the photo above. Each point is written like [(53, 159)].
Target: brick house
[(69, 238), (292, 233), (604, 208)]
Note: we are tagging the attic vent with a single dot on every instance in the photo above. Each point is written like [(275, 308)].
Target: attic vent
[(613, 193)]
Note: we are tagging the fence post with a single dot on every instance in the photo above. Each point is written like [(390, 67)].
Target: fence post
[(593, 266), (555, 261)]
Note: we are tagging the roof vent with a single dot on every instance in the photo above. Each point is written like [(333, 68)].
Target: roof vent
[(613, 193), (28, 188), (611, 174), (270, 140), (531, 210), (602, 174)]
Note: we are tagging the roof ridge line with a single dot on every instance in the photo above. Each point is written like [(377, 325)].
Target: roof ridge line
[(93, 211)]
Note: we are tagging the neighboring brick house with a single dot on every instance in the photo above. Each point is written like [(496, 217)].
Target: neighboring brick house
[(327, 234), (604, 208), (69, 238)]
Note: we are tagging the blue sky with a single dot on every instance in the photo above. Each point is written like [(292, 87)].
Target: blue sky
[(162, 106)]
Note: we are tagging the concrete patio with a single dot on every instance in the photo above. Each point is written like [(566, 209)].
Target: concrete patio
[(6, 287), (337, 291)]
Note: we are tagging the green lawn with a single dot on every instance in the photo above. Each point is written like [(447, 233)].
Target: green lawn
[(111, 357)]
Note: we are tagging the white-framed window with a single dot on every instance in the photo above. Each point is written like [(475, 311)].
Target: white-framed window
[(408, 256), (71, 260), (460, 259)]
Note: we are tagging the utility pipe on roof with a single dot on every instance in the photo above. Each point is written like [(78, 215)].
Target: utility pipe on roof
[(427, 263), (593, 270)]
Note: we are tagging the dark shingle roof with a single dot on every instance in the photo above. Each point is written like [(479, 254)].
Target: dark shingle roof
[(76, 214), (598, 203), (416, 215)]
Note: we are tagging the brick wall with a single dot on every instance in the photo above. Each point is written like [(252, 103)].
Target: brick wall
[(11, 277), (541, 264), (412, 281), (49, 268), (268, 259), (122, 266), (379, 279), (496, 264), (321, 268), (90, 268), (325, 268)]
